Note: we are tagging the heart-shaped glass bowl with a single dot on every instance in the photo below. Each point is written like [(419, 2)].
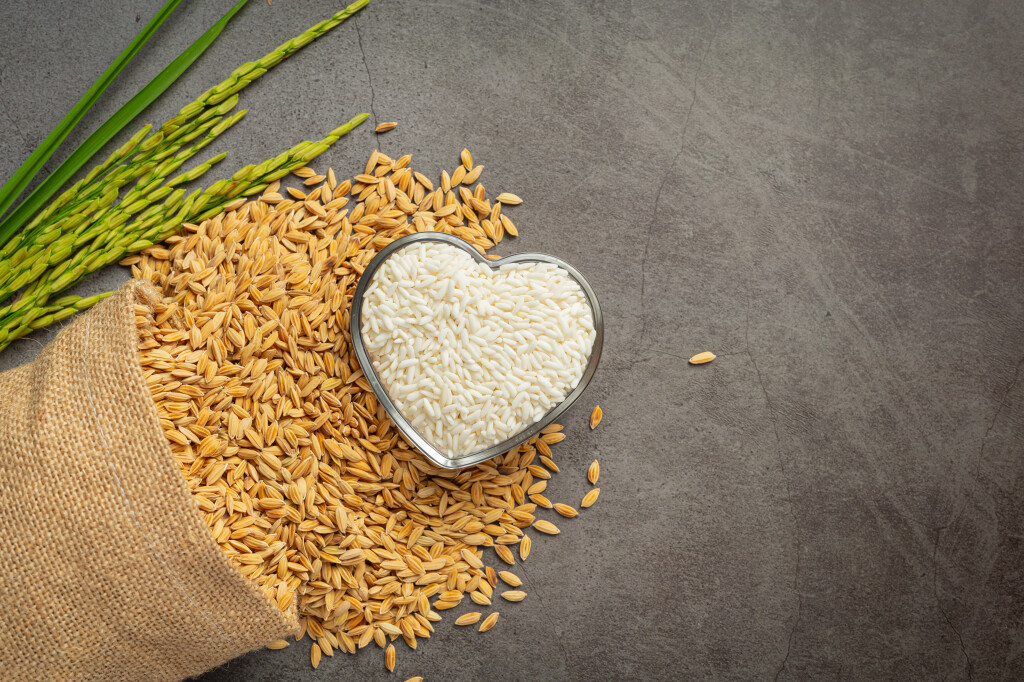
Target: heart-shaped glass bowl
[(403, 425)]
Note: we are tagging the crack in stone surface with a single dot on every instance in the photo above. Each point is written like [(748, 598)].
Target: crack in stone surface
[(547, 614), (942, 610), (664, 181), (999, 410), (789, 493), (14, 125), (369, 76), (960, 513), (650, 230)]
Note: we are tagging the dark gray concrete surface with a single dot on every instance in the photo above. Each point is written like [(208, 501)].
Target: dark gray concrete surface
[(828, 195)]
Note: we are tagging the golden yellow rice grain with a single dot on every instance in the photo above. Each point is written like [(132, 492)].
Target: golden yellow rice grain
[(546, 527), (509, 199), (470, 558), (505, 554), (540, 501), (314, 655), (470, 618), (510, 578), (489, 622), (565, 510)]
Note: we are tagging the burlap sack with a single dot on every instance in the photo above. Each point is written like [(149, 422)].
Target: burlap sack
[(107, 571)]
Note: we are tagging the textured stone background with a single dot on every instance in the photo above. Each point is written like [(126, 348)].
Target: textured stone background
[(828, 195)]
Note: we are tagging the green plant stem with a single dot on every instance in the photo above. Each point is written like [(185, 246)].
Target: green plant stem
[(215, 97), (28, 170), (87, 229), (17, 218), (250, 71)]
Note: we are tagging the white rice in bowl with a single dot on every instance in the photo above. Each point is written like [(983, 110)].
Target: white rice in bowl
[(469, 354)]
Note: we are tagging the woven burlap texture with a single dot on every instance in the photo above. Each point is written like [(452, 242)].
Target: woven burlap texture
[(107, 570)]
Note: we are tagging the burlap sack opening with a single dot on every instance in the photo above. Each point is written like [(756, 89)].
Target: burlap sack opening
[(107, 571)]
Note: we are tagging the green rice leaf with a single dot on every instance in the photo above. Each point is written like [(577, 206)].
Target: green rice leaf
[(13, 187), (135, 106)]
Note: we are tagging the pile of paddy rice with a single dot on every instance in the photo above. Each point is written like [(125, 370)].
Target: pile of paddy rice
[(303, 480)]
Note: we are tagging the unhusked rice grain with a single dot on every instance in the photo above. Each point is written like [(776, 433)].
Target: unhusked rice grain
[(489, 622), (470, 618), (510, 578)]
